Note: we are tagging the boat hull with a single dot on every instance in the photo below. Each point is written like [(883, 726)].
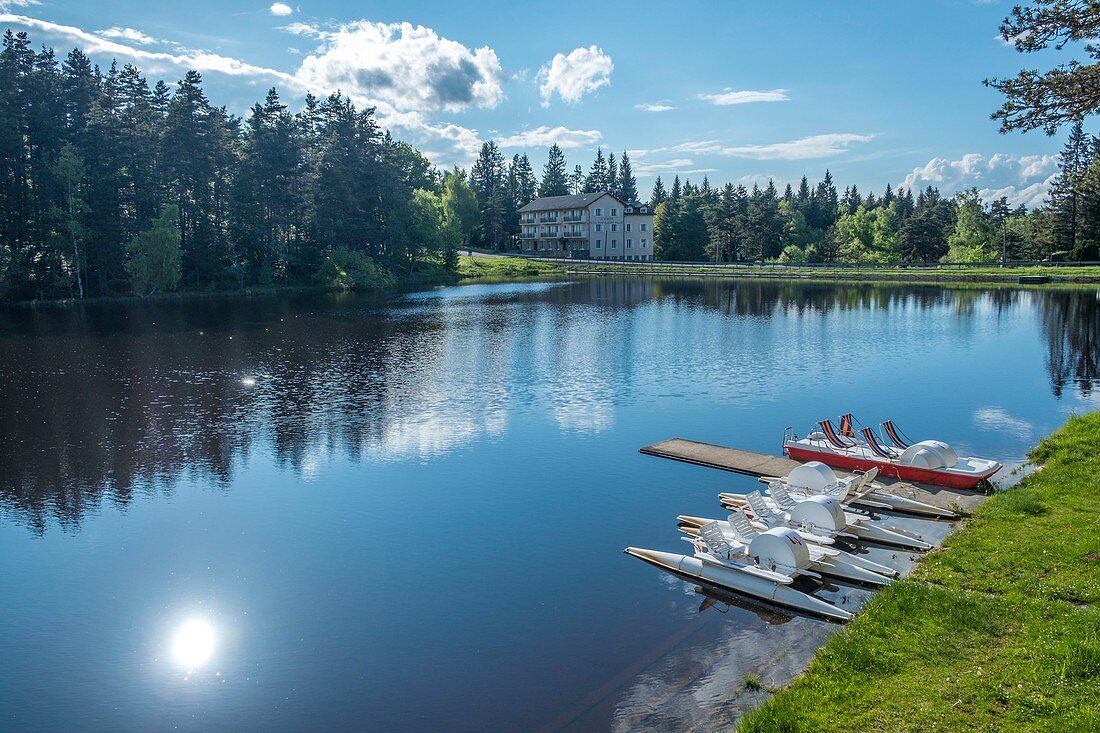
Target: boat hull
[(951, 480), (692, 568)]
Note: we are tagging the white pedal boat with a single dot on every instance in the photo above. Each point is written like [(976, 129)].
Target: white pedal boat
[(818, 516), (814, 478), (739, 533), (765, 570)]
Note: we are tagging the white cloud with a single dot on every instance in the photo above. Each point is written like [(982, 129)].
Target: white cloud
[(730, 96), (814, 146), (996, 418), (545, 136), (411, 67), (656, 107), (1024, 179), (198, 60), (303, 29), (676, 166), (584, 70), (5, 4), (131, 35), (281, 9)]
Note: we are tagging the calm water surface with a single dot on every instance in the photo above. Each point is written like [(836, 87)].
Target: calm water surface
[(414, 518)]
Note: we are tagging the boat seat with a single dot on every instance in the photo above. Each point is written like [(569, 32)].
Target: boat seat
[(742, 527), (782, 498), (760, 507)]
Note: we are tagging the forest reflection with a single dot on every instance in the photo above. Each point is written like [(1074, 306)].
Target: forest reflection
[(109, 401)]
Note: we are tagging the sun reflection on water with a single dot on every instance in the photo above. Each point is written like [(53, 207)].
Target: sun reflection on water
[(194, 644)]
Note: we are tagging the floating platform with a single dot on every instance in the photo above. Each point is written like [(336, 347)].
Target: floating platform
[(749, 463), (1034, 279)]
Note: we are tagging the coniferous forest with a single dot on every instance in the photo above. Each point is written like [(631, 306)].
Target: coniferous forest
[(111, 185)]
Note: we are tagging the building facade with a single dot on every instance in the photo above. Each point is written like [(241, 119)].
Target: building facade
[(594, 226)]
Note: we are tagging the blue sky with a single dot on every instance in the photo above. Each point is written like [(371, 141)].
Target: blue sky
[(878, 92)]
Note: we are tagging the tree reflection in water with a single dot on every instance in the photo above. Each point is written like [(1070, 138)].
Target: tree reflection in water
[(105, 401)]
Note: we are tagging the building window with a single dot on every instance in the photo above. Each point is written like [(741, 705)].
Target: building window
[(614, 242), (614, 212), (614, 227), (599, 227), (628, 226), (629, 243), (644, 242), (643, 227), (599, 212), (599, 244)]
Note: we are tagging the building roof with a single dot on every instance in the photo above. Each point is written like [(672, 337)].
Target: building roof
[(553, 203)]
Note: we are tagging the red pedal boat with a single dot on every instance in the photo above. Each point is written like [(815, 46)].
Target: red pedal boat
[(925, 461)]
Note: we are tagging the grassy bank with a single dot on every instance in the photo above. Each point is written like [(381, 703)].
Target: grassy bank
[(999, 630), (916, 275), (505, 267)]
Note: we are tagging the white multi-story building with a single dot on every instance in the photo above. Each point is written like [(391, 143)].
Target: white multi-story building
[(594, 226)]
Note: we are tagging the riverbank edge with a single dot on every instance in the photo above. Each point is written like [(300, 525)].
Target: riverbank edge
[(470, 270), (857, 276), (503, 269), (997, 630)]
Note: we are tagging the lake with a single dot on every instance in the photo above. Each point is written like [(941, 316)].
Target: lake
[(409, 514)]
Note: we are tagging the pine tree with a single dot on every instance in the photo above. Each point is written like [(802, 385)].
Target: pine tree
[(554, 179), (268, 207), (597, 174), (804, 193), (194, 138), (659, 195), (628, 185), (827, 201), (576, 180), (724, 222), (1065, 192), (888, 196), (612, 177), (488, 181)]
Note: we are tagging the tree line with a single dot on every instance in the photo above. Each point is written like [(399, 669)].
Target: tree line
[(810, 223), (816, 224), (110, 185)]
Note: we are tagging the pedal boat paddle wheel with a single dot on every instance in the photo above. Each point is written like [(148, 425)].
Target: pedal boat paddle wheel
[(925, 461)]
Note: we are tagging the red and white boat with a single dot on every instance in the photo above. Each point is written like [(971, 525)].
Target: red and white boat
[(925, 461)]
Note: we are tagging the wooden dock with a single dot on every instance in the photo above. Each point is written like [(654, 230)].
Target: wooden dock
[(734, 460), (753, 464)]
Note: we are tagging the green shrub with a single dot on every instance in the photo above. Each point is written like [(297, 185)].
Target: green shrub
[(343, 269), (153, 257)]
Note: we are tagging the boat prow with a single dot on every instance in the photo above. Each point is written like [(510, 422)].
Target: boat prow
[(729, 578)]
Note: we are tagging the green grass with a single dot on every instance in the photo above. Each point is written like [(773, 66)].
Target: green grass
[(998, 631), (505, 267), (752, 682), (915, 275)]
